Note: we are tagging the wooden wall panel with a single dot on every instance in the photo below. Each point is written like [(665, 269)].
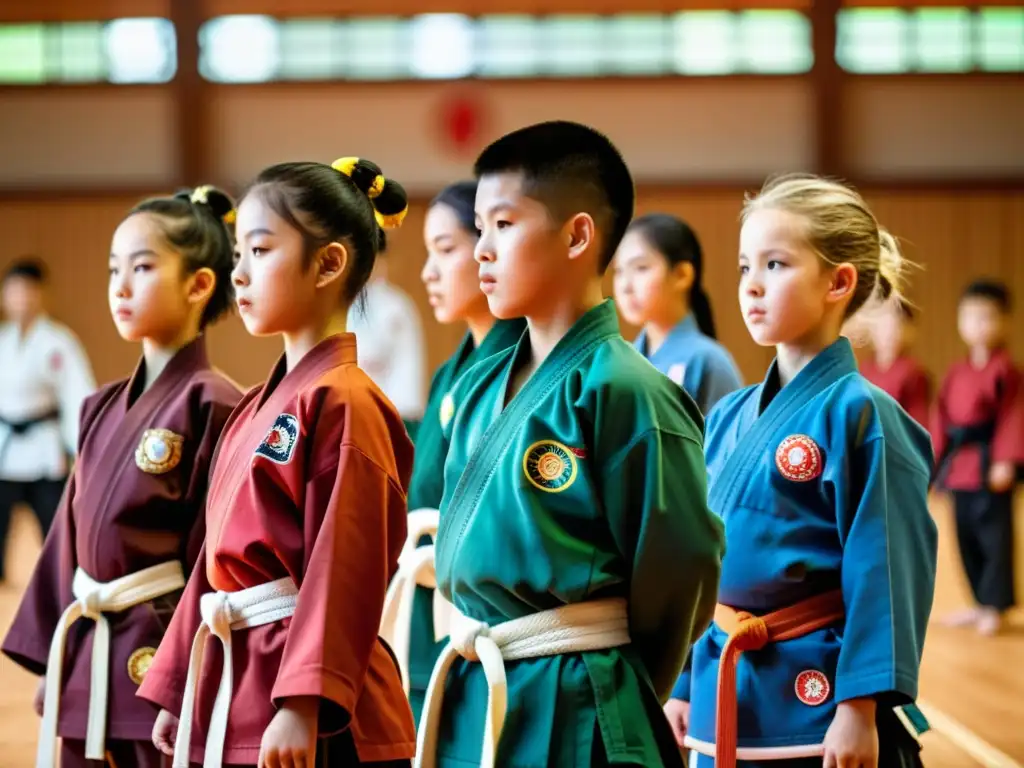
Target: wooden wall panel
[(934, 127), (953, 236), (670, 130), (74, 138)]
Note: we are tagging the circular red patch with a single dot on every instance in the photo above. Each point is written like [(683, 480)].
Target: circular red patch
[(798, 458), (812, 687)]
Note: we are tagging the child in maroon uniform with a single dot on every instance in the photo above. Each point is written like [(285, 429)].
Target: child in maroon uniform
[(978, 431)]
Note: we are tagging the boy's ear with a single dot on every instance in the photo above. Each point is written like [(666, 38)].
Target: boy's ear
[(580, 234)]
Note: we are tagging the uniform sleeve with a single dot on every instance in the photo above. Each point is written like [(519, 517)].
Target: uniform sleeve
[(48, 592), (74, 383), (719, 377), (655, 494), (355, 522), (216, 410), (164, 682), (1008, 441), (890, 545), (681, 690)]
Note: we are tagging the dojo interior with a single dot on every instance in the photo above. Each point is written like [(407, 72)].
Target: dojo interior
[(104, 102)]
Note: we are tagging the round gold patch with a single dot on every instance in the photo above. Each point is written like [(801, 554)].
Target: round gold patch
[(138, 663), (159, 451), (550, 465), (447, 410)]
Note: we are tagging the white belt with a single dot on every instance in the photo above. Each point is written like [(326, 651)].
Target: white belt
[(415, 569), (588, 626), (223, 612), (92, 600)]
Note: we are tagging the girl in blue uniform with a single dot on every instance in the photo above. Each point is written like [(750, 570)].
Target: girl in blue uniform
[(822, 481), (658, 270)]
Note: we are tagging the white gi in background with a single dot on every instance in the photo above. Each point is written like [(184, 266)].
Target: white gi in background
[(44, 377), (391, 347)]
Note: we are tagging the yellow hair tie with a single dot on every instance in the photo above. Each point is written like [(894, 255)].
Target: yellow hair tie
[(377, 187), (346, 165), (200, 195), (390, 220), (230, 216)]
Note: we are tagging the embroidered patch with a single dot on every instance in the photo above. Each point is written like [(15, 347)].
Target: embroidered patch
[(159, 451), (812, 687), (138, 663), (447, 409), (551, 466), (279, 444), (798, 458), (677, 373)]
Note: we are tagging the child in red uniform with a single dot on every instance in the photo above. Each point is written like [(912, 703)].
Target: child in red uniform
[(129, 525), (307, 508), (892, 368), (978, 431)]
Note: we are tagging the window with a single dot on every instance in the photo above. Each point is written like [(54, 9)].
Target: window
[(442, 46), (705, 43), (450, 46), (118, 51), (239, 49), (638, 44), (23, 53), (946, 39), (999, 37)]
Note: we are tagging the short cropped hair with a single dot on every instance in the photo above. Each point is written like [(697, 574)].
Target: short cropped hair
[(569, 168), (991, 290), (27, 268)]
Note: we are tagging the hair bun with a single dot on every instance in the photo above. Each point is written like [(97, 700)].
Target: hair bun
[(217, 200), (388, 197)]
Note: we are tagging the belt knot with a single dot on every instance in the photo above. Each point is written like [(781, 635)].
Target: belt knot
[(752, 632), (215, 610)]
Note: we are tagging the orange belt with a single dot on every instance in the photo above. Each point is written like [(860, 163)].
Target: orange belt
[(752, 633)]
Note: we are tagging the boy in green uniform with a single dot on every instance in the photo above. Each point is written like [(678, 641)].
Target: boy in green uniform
[(575, 538)]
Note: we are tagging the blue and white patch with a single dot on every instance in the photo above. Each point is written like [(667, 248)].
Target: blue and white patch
[(279, 444)]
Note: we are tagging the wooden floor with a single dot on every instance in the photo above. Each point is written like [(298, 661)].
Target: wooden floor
[(972, 688)]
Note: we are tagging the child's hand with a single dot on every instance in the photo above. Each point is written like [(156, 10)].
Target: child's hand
[(165, 731), (678, 713), (290, 739), (1001, 476), (40, 697), (852, 739)]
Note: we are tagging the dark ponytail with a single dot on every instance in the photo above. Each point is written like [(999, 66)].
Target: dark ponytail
[(677, 243), (701, 307)]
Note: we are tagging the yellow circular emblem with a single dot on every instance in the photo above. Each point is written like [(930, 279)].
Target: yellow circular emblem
[(138, 663), (159, 451), (550, 466), (447, 410)]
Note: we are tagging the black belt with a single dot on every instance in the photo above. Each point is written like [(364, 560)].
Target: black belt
[(961, 437), (21, 427)]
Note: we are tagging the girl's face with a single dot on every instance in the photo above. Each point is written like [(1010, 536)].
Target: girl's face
[(150, 294), (784, 286), (450, 273), (646, 287), (274, 290)]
